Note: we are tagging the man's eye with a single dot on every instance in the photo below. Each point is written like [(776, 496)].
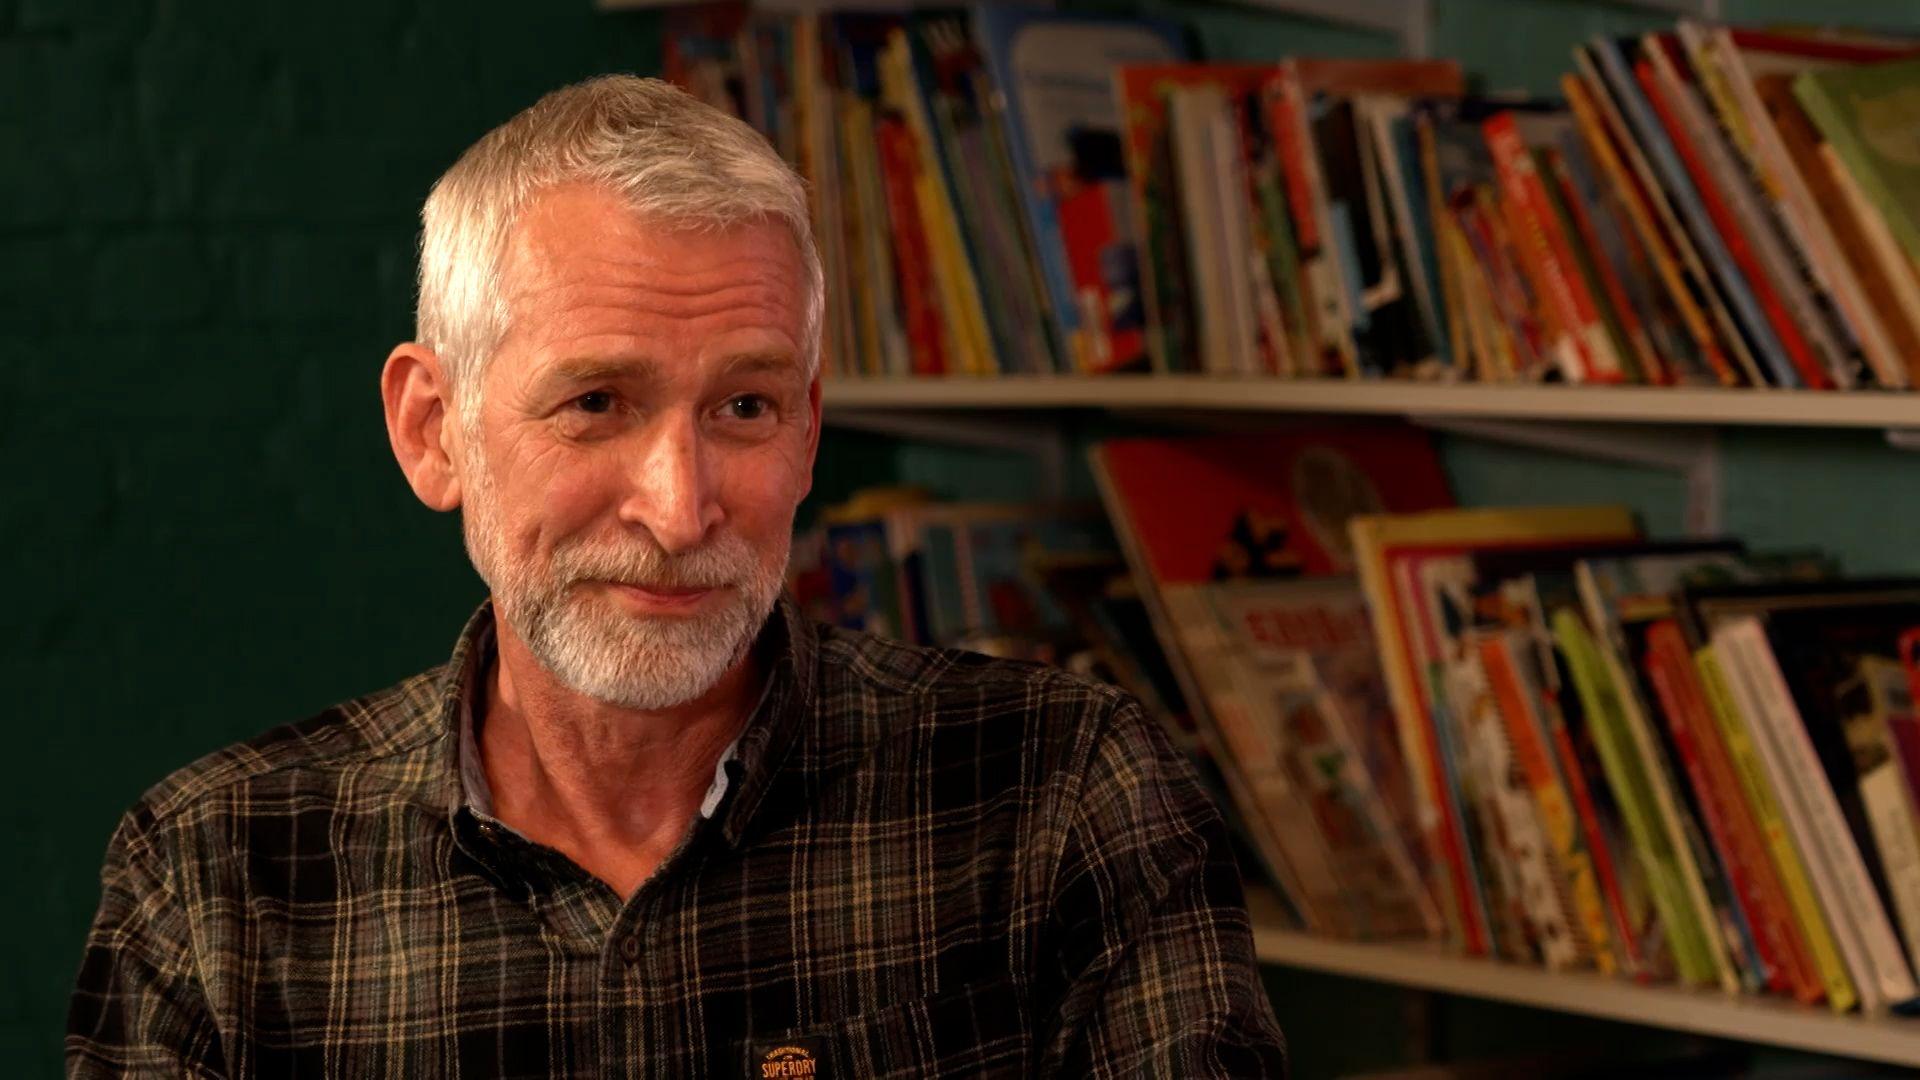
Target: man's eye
[(747, 407), (595, 401)]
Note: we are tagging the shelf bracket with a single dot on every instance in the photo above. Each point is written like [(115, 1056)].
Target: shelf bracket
[(1693, 453), (1045, 443)]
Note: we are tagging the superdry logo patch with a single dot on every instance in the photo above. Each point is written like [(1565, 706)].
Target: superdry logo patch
[(786, 1059)]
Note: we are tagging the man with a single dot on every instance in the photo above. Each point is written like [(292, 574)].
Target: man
[(648, 820)]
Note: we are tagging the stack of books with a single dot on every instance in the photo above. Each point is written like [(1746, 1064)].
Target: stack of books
[(1019, 191), (1530, 733)]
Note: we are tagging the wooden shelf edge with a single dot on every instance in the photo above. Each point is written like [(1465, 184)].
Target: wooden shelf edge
[(1611, 404), (1765, 1020)]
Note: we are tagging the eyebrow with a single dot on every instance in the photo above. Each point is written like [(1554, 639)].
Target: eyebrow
[(586, 369), (590, 369), (756, 362)]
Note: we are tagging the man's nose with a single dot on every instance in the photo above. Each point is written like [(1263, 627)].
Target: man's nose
[(672, 494)]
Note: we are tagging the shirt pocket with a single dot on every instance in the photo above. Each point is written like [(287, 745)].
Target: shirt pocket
[(977, 1029)]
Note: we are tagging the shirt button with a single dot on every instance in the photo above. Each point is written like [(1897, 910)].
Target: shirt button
[(630, 948)]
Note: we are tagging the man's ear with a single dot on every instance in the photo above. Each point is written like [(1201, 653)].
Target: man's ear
[(419, 403), (813, 435)]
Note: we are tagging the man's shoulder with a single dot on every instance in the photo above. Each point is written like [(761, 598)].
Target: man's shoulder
[(880, 691), (364, 730), (894, 668)]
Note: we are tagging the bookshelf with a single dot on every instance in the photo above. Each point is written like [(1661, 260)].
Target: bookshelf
[(1746, 1018), (1603, 404)]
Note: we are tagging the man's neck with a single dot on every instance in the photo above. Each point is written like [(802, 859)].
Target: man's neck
[(614, 789)]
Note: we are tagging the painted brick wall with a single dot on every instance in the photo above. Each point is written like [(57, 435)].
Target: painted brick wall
[(207, 222)]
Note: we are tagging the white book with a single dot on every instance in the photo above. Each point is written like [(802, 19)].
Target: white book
[(1883, 793), (1839, 874), (1236, 235), (1191, 111), (1800, 211)]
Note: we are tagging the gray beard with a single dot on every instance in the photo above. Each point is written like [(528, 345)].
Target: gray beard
[(591, 646)]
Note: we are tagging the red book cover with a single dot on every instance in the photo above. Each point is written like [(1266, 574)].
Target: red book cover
[(1683, 704), (1286, 105), (899, 160), (1838, 50), (1804, 362), (1512, 300), (1519, 708), (1599, 846), (1657, 371), (1549, 251), (1269, 505)]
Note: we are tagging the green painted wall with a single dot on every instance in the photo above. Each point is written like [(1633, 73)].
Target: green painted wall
[(206, 236)]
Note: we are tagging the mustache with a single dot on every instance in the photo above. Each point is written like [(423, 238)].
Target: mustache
[(723, 561)]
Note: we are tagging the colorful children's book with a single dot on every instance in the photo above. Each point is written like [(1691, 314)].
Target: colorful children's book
[(1375, 540), (1064, 131), (1871, 116), (1193, 513)]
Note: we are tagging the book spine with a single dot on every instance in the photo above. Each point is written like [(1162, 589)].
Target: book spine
[(1890, 817), (1526, 737), (1446, 244), (1828, 211), (1306, 197), (823, 170), (1721, 238), (1506, 286), (1148, 177), (1669, 670), (1601, 67), (1588, 353), (1230, 194), (1028, 270), (1516, 836), (1434, 812), (1653, 844), (1603, 276), (1755, 783), (912, 259), (1902, 277), (1830, 116), (1607, 868), (1698, 874), (1776, 275), (1802, 214), (1190, 116), (1847, 890), (966, 324)]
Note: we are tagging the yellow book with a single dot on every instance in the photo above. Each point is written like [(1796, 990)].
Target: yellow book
[(1766, 811), (952, 271), (884, 349), (1375, 537)]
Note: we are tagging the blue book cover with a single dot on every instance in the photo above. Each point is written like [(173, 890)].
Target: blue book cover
[(864, 578), (1055, 73), (940, 577), (1614, 62), (1404, 136), (1003, 589)]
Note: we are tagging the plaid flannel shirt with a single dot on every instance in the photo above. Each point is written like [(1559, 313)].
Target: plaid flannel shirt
[(925, 864)]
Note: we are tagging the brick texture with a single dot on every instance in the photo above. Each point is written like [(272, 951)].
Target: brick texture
[(207, 224)]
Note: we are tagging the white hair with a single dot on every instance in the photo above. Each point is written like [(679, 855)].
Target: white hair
[(667, 154)]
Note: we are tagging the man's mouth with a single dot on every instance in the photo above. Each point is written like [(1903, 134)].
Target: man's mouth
[(663, 598)]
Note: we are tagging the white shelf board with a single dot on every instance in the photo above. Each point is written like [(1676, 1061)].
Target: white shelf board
[(1617, 404), (1767, 1020)]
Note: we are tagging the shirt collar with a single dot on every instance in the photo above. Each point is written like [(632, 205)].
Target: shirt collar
[(788, 641)]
